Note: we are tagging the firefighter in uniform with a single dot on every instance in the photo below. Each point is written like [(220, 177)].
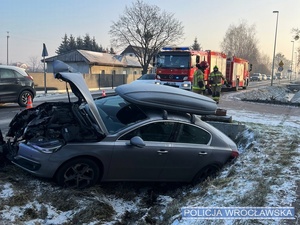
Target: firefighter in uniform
[(198, 78), (215, 81)]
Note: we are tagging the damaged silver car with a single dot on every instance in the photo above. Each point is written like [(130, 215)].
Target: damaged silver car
[(142, 132)]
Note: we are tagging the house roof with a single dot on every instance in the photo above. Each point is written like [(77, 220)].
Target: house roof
[(131, 49), (96, 58)]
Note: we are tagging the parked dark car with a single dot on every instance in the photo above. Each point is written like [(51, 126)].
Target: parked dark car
[(143, 132), (15, 85)]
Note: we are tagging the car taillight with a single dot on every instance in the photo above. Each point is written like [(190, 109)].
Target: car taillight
[(234, 154), (30, 77)]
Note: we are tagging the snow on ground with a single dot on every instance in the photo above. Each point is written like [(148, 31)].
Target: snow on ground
[(265, 174)]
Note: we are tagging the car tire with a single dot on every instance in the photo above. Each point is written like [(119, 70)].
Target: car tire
[(210, 171), (78, 173), (22, 100)]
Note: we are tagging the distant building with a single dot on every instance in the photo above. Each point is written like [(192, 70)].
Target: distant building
[(89, 62), (132, 50)]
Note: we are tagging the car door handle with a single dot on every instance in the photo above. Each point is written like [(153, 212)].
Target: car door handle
[(202, 153), (162, 151)]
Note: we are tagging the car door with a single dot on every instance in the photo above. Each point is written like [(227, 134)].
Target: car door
[(141, 163), (189, 153), (9, 85)]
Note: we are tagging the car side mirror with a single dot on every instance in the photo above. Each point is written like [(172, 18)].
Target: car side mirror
[(137, 141)]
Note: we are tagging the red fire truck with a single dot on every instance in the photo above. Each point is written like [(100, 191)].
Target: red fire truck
[(237, 72), (176, 65)]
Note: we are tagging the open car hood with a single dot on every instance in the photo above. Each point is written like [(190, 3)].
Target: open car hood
[(66, 73)]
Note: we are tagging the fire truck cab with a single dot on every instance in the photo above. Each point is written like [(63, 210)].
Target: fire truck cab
[(175, 66)]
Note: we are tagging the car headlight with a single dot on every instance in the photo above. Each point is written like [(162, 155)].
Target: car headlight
[(186, 85), (47, 147)]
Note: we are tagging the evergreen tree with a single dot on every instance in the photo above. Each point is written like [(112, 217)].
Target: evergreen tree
[(87, 42), (112, 51), (196, 45), (72, 43), (79, 42), (63, 48)]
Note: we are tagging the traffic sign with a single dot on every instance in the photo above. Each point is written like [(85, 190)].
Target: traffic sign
[(280, 68)]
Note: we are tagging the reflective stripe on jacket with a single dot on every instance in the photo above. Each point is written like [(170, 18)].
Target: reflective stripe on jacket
[(215, 78)]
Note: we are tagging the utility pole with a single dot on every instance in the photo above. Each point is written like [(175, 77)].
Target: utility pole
[(7, 48), (292, 61), (277, 12)]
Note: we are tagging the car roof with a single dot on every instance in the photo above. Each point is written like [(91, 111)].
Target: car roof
[(19, 69)]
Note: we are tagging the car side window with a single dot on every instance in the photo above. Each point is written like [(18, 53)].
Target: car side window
[(5, 73), (158, 131), (192, 135)]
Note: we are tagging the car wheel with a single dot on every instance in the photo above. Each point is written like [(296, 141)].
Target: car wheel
[(22, 101), (210, 171), (246, 84), (78, 173), (237, 85)]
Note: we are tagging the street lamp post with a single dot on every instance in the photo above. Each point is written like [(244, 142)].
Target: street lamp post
[(277, 12), (296, 59), (292, 61), (7, 48)]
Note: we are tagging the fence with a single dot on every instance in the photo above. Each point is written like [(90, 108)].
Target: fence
[(93, 81)]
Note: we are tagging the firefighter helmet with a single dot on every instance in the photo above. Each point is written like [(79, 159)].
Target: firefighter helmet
[(204, 65)]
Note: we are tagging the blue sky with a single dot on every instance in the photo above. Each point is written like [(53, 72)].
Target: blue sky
[(33, 22)]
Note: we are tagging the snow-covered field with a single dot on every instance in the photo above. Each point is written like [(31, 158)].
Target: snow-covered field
[(265, 175)]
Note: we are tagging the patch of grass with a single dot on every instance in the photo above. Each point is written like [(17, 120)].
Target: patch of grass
[(274, 172), (19, 198), (221, 182), (43, 212), (62, 200), (130, 218), (231, 172), (256, 197), (172, 209), (30, 214), (94, 211)]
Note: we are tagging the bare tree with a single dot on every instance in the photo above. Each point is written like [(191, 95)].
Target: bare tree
[(34, 64), (240, 41), (146, 28), (264, 66), (296, 33)]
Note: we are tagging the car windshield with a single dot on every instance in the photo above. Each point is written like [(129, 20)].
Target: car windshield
[(117, 113), (173, 61)]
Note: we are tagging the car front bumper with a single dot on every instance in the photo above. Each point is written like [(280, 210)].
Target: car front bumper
[(34, 161)]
